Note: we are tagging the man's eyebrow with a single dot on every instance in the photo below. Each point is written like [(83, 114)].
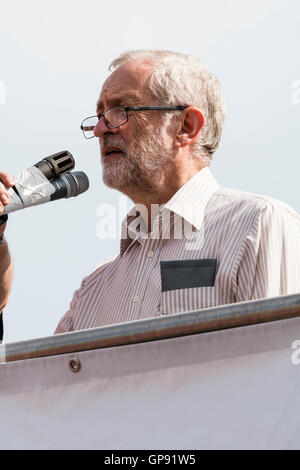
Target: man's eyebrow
[(132, 99), (112, 102)]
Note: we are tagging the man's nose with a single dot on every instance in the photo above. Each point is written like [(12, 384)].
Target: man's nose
[(102, 128)]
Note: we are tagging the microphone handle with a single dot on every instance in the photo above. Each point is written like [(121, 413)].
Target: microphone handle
[(60, 189)]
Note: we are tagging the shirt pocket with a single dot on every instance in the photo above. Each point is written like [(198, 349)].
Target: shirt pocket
[(187, 285)]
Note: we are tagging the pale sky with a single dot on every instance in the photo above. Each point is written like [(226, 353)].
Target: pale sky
[(54, 59)]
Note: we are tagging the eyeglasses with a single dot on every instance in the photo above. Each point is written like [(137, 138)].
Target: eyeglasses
[(117, 116)]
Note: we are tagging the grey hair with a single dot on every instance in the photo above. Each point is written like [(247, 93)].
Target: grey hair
[(180, 79)]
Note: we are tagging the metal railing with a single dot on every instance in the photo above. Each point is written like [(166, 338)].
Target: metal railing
[(157, 328)]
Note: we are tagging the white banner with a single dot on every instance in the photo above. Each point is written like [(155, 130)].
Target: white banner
[(231, 389)]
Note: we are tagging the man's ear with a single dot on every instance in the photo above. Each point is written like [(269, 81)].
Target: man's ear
[(191, 125)]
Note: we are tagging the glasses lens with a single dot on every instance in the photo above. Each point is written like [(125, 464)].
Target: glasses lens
[(88, 126), (116, 116)]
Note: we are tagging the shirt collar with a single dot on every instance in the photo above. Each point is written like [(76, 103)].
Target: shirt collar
[(188, 202)]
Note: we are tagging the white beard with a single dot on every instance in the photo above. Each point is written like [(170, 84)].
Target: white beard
[(142, 166)]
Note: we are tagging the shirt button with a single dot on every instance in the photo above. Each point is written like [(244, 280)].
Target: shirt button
[(135, 299), (150, 254)]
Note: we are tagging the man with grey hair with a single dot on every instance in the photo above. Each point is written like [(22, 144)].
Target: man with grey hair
[(187, 243)]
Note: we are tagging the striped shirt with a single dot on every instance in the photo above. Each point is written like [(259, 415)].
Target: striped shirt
[(208, 246)]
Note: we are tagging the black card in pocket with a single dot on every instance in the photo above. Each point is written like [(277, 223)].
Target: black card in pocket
[(185, 274)]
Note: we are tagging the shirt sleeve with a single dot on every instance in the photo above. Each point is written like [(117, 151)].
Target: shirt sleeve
[(269, 260), (68, 321), (66, 324)]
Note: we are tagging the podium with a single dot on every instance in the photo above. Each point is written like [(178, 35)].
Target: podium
[(218, 378)]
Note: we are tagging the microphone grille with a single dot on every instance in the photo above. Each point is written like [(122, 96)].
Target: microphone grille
[(77, 182)]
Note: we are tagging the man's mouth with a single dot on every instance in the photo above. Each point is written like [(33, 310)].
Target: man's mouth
[(111, 151)]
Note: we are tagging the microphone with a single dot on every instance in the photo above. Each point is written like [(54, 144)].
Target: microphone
[(54, 165), (47, 180), (70, 185)]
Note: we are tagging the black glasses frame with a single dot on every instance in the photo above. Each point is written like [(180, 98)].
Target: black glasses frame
[(128, 108)]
